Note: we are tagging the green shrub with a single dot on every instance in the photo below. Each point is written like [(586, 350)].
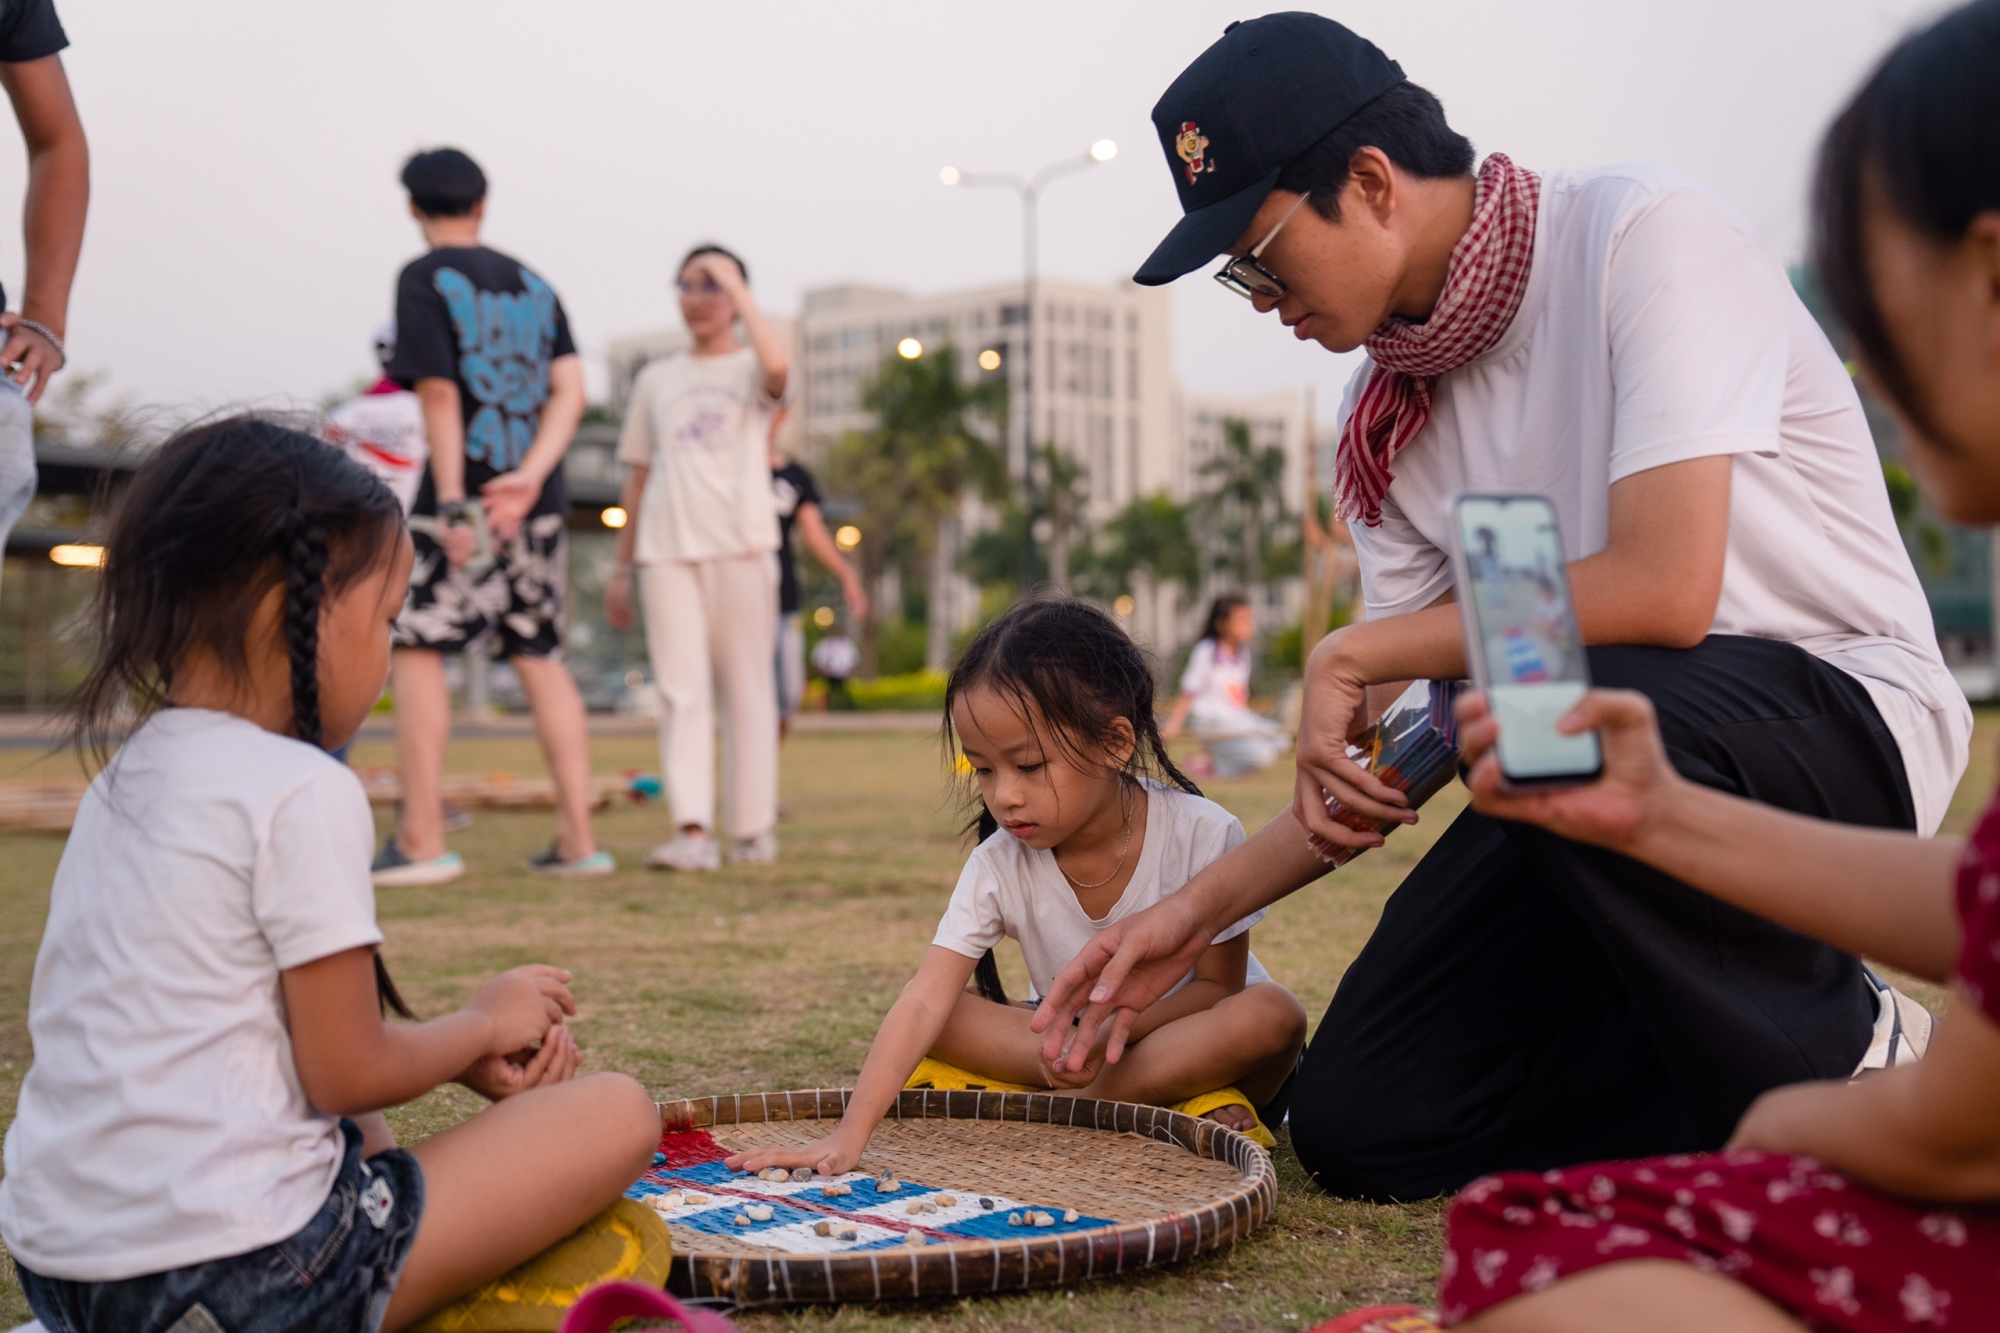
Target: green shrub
[(899, 647), (913, 691)]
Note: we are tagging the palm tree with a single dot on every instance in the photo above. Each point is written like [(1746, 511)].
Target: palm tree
[(912, 470), (1064, 495), (1244, 506), (1149, 549)]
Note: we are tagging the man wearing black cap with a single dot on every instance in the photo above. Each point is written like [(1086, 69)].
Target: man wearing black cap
[(1618, 339)]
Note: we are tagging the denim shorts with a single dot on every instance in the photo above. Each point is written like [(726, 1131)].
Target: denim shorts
[(336, 1274)]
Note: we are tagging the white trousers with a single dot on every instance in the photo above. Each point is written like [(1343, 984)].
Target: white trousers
[(711, 629)]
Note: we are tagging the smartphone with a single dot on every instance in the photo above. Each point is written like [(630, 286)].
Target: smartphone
[(1521, 638)]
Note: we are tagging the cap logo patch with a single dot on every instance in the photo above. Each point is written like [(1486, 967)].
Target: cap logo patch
[(1192, 146)]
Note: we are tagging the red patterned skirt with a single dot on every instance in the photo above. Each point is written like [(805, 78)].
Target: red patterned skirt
[(1835, 1254)]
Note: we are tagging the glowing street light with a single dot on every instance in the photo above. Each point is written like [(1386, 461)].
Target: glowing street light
[(1124, 606), (614, 517), (848, 537), (823, 617), (909, 349), (989, 359), (77, 555), (1029, 189)]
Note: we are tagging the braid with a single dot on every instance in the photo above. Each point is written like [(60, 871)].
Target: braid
[(305, 581)]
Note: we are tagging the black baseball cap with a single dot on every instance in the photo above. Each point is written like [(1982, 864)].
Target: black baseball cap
[(1260, 97)]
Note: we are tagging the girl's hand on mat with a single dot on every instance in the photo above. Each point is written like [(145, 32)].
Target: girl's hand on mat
[(1336, 711), (498, 1077), (838, 1152), (1637, 783), (523, 1006)]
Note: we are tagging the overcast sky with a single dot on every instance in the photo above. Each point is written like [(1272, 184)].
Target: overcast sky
[(246, 224)]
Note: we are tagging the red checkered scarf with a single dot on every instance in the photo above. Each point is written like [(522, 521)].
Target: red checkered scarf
[(1482, 290)]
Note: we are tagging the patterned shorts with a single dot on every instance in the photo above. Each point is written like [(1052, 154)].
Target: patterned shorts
[(516, 603)]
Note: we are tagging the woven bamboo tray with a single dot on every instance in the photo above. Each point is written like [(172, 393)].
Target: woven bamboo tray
[(1155, 1186)]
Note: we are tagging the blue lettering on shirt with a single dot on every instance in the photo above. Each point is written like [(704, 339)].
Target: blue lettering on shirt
[(504, 341)]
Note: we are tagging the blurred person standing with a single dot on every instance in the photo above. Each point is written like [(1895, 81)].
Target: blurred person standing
[(382, 427), (51, 231), (485, 345), (1215, 696), (796, 498), (704, 530)]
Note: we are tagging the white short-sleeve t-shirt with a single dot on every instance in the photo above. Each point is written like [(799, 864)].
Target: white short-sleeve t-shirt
[(1009, 890), (1655, 329), (1218, 679), (703, 425), (162, 1123)]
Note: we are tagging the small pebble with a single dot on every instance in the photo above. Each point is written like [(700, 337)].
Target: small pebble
[(742, 1221), (802, 1174), (835, 1190), (914, 1207), (947, 1201), (1071, 1215), (848, 1233), (928, 1206), (761, 1212), (887, 1184), (694, 1198), (1044, 1220), (916, 1238), (822, 1228), (775, 1174), (1013, 1219), (659, 1159), (986, 1204)]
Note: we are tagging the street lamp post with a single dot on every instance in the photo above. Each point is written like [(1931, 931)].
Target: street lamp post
[(1029, 190)]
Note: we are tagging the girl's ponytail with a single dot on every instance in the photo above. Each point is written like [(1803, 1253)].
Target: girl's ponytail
[(305, 584)]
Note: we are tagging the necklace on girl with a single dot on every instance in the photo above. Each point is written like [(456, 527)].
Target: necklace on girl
[(1124, 850)]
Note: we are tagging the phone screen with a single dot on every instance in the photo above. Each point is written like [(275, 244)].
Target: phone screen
[(1521, 629)]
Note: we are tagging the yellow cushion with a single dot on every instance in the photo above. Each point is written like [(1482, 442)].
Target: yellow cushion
[(625, 1241), (937, 1074)]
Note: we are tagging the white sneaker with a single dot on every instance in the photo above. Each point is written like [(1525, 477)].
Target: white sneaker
[(688, 851), (761, 850), (1902, 1028)]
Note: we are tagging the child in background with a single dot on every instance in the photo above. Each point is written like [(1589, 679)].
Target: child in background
[(1860, 1205), (1052, 705), (199, 1142), (382, 428), (1215, 693)]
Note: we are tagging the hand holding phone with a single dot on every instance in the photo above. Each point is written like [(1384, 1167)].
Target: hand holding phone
[(1521, 638)]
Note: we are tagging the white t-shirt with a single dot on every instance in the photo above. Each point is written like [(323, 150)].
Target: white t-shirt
[(383, 430), (703, 425), (1009, 890), (1655, 329), (162, 1123), (1218, 681)]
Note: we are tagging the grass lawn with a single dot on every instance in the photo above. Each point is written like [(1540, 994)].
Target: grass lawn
[(774, 977)]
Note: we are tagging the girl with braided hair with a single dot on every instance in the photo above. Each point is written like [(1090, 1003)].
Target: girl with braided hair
[(1083, 821), (200, 1141)]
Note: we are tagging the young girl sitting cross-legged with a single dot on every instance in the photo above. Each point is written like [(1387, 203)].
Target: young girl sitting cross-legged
[(199, 1143), (1052, 706)]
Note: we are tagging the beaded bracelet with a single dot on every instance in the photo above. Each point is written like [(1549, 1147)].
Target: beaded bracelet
[(43, 329)]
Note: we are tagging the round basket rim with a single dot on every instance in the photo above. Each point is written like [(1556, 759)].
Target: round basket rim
[(977, 1265)]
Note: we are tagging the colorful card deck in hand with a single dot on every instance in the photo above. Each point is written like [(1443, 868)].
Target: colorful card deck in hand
[(1413, 748)]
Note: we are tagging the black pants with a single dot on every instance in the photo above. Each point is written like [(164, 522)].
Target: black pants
[(1527, 1002)]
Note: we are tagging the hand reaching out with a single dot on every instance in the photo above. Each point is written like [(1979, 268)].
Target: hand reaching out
[(1121, 971), (1336, 702), (837, 1153)]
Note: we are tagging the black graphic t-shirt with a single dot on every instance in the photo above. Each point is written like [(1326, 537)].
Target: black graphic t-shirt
[(791, 486), (29, 30), (491, 325)]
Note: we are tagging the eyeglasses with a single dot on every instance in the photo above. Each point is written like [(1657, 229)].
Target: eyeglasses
[(1250, 279), (702, 288)]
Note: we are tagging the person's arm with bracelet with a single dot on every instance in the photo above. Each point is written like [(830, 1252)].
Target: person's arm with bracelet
[(511, 495), (52, 219), (444, 427)]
